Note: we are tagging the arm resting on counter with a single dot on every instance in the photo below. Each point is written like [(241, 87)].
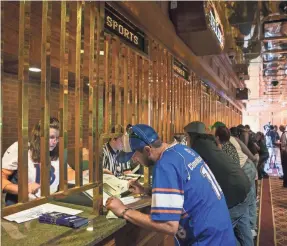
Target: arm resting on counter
[(145, 221), (7, 185)]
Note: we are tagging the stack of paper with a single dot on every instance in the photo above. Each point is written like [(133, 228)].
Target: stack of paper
[(34, 213)]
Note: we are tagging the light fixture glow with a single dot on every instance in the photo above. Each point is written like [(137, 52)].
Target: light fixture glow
[(102, 52), (34, 69), (82, 51), (90, 228)]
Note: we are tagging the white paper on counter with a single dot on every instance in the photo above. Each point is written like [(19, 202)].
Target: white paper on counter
[(34, 213)]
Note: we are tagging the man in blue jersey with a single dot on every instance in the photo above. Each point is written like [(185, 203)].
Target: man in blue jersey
[(187, 201)]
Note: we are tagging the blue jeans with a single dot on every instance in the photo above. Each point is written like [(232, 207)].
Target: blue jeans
[(241, 222), (250, 170)]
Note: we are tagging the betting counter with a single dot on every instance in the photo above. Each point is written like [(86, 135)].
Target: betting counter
[(100, 230)]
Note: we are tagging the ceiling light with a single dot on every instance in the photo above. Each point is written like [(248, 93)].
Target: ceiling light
[(34, 69)]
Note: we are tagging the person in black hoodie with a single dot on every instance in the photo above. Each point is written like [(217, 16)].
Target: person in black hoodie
[(230, 176)]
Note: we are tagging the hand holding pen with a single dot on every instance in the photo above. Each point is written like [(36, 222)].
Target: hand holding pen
[(135, 187)]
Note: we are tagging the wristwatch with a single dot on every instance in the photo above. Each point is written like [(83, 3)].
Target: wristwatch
[(123, 213)]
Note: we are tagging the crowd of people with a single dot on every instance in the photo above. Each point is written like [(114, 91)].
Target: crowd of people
[(190, 182), (204, 187)]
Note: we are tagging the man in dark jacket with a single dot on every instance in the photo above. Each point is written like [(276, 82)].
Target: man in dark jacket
[(230, 176)]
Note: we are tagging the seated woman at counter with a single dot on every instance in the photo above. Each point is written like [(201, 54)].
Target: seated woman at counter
[(10, 165), (109, 157)]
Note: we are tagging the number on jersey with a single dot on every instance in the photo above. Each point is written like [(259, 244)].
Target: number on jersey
[(206, 173)]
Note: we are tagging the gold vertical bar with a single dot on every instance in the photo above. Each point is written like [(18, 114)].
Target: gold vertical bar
[(92, 94), (45, 96), (108, 107), (172, 98), (200, 98), (136, 93), (165, 118), (107, 48), (143, 89), (186, 102), (190, 101), (125, 83), (163, 88), (160, 90), (23, 109), (178, 104), (139, 89), (64, 90), (169, 108), (185, 106), (133, 106), (131, 84), (79, 93), (118, 100), (146, 120), (98, 192), (155, 81), (182, 105), (192, 97), (175, 101), (175, 96), (144, 92)]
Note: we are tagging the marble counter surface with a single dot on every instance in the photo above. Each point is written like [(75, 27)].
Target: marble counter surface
[(33, 233)]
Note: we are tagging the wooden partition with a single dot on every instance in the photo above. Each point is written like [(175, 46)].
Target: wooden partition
[(124, 86), (79, 26)]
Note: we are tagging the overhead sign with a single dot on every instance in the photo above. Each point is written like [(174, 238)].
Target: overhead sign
[(199, 25), (214, 23), (181, 70), (122, 27)]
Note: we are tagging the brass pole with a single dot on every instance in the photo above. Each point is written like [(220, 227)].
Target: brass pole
[(23, 99), (45, 96), (79, 93), (64, 90)]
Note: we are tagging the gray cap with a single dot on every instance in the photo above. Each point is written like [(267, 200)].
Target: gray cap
[(195, 127)]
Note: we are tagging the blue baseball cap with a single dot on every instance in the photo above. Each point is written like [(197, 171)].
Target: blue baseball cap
[(138, 137)]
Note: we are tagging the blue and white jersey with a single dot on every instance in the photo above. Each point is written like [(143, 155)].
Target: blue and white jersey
[(185, 190), (10, 162)]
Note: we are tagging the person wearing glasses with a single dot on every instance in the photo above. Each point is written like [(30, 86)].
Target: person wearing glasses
[(10, 165), (187, 201)]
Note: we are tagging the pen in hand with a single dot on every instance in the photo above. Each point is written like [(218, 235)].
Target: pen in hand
[(134, 181), (139, 177)]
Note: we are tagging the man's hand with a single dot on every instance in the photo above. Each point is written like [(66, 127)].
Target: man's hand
[(33, 188), (115, 205), (135, 187)]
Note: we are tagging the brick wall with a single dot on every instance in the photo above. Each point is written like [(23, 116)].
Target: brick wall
[(10, 109)]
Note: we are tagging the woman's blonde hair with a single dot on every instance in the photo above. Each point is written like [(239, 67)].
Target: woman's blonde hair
[(36, 139)]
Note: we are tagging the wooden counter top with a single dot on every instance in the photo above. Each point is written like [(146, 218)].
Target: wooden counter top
[(33, 233)]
